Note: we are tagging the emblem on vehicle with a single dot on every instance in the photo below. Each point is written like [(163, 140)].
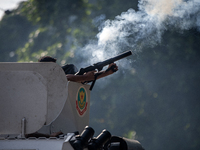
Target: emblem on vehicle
[(81, 101)]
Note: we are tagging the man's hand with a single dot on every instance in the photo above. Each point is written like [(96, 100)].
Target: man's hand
[(90, 76), (112, 68)]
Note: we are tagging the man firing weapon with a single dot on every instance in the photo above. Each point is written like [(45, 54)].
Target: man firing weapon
[(89, 73)]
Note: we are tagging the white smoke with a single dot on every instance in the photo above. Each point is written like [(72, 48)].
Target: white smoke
[(136, 29)]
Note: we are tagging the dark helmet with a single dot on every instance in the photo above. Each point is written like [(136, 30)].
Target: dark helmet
[(47, 59)]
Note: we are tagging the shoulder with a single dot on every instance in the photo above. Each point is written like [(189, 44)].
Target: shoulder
[(69, 69)]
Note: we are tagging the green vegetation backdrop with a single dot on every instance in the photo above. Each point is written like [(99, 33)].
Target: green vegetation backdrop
[(155, 98)]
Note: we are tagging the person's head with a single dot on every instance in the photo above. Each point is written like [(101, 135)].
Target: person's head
[(47, 59)]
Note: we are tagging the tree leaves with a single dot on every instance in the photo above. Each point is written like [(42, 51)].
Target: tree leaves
[(154, 99)]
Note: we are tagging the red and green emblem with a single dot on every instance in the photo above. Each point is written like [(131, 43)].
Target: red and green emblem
[(81, 101)]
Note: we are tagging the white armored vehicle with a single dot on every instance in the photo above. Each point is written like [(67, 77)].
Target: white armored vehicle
[(37, 102)]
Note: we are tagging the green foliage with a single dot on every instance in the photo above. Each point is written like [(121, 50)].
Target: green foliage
[(155, 101), (115, 7), (14, 31), (58, 27)]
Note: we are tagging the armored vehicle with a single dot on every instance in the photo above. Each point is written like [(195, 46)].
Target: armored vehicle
[(41, 110)]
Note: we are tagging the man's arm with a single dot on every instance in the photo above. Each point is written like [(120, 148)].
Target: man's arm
[(89, 76), (109, 71)]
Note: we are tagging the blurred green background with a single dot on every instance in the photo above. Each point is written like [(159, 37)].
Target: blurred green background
[(156, 100)]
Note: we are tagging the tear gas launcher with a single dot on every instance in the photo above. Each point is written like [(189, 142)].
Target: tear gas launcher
[(99, 66)]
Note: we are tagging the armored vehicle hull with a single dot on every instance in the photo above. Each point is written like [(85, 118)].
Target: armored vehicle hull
[(41, 110)]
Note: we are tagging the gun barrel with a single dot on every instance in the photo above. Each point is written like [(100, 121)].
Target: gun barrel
[(100, 65), (123, 55), (116, 58)]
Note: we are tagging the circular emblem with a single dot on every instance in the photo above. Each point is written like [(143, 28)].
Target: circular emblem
[(81, 101)]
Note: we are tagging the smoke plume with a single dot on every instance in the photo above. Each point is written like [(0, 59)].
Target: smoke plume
[(136, 29)]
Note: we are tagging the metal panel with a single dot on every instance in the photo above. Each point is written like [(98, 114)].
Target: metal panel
[(55, 80), (69, 119), (35, 144), (22, 95)]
